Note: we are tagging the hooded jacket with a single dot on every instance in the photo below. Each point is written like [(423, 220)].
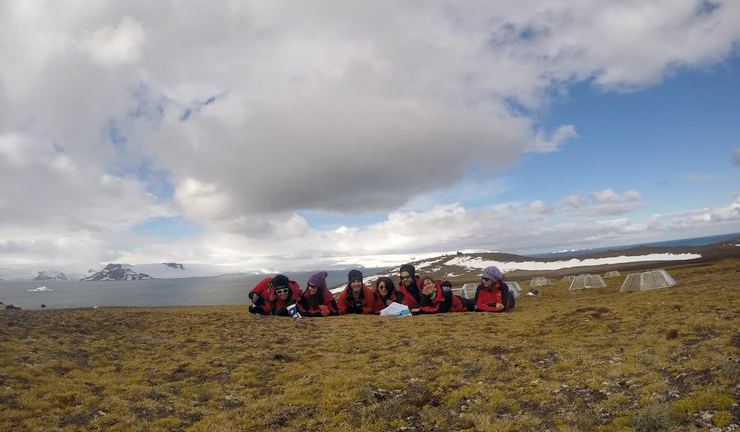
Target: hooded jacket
[(486, 299), (309, 304), (264, 291), (380, 303), (279, 306), (440, 302), (411, 296), (347, 304)]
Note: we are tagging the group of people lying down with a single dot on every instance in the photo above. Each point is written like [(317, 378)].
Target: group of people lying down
[(274, 295)]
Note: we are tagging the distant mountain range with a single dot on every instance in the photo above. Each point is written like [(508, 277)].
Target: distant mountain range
[(461, 265), (123, 272)]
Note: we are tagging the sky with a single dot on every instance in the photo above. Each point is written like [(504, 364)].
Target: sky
[(284, 134)]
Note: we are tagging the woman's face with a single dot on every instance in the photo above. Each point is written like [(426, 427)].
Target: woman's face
[(312, 289), (356, 285), (428, 287), (382, 289), (282, 293), (487, 282)]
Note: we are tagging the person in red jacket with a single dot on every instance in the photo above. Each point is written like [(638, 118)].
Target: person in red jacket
[(492, 294), (410, 286), (317, 301), (260, 294), (385, 293), (433, 299), (356, 297), (283, 296)]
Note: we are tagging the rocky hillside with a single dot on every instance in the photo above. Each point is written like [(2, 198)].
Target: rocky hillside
[(117, 272)]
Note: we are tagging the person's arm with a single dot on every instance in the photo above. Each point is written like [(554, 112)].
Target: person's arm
[(333, 308), (260, 293), (433, 309)]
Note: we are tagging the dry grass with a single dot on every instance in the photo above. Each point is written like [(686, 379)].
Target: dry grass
[(591, 360)]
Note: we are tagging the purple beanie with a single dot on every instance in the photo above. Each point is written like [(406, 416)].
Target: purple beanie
[(493, 273), (319, 279)]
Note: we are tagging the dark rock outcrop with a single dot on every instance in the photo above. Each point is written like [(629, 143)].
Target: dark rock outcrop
[(117, 272)]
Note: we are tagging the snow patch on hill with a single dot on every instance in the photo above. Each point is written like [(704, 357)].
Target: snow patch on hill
[(480, 263)]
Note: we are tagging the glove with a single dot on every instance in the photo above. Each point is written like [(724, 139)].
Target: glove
[(256, 299), (324, 310)]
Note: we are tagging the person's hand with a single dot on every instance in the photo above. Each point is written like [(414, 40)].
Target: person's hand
[(256, 299), (499, 307), (388, 302), (415, 310), (324, 310)]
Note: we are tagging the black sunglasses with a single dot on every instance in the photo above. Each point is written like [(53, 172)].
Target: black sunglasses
[(485, 278), (312, 285), (405, 277), (281, 290)]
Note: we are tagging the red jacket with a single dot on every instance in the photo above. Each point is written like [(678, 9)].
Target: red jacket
[(486, 299), (263, 290), (434, 304), (380, 304), (279, 306), (409, 299), (309, 305), (346, 304)]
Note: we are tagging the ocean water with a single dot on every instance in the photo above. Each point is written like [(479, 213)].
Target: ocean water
[(694, 241), (219, 290)]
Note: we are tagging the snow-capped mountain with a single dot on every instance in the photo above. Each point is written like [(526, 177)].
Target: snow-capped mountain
[(50, 275), (8, 274), (117, 272)]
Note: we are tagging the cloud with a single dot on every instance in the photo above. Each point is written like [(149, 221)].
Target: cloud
[(697, 177), (542, 144), (444, 228), (115, 45), (253, 112), (736, 156), (605, 202), (540, 207)]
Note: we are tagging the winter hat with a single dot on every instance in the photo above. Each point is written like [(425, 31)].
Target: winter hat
[(493, 273), (280, 281), (409, 269), (354, 275), (319, 279)]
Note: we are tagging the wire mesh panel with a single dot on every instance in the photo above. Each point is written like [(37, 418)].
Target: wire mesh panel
[(649, 280), (587, 281), (468, 290), (514, 288), (538, 281)]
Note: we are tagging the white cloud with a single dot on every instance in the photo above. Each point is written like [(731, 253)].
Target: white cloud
[(552, 143), (115, 45), (604, 202), (697, 177), (539, 207), (445, 228), (255, 111)]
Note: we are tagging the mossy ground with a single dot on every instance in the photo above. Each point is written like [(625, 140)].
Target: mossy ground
[(590, 360)]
